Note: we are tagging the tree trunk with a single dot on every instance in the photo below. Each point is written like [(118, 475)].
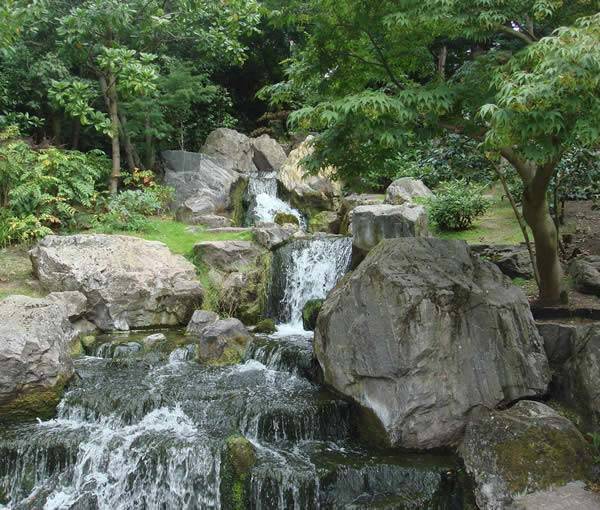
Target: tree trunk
[(537, 216), (108, 85), (149, 148), (76, 134), (133, 160)]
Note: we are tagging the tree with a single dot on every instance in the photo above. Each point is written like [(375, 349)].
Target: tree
[(501, 72)]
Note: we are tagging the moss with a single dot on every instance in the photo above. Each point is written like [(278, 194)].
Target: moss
[(310, 312), (265, 326), (230, 356), (324, 221), (237, 202), (282, 218), (76, 348), (238, 460), (542, 457), (34, 404)]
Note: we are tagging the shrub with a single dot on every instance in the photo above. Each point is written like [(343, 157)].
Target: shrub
[(456, 205), (129, 210)]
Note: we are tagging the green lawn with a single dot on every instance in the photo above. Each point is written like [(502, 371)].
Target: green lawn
[(497, 226), (179, 240)]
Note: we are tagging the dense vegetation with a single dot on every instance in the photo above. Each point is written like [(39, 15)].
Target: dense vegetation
[(454, 92)]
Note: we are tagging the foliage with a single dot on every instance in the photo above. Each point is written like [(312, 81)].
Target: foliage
[(42, 190), (456, 205), (130, 210)]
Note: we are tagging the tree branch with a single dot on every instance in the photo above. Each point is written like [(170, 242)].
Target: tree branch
[(522, 166), (515, 33), (384, 61)]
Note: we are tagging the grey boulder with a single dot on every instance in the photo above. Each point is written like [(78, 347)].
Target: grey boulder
[(199, 321), (35, 337), (228, 256), (231, 149), (585, 272), (522, 450), (406, 189), (372, 223), (423, 331), (513, 261), (74, 302), (223, 341), (128, 282), (271, 236), (268, 155)]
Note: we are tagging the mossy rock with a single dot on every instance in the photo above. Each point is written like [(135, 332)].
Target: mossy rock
[(310, 313), (521, 450), (282, 218), (238, 460), (76, 348), (325, 221), (40, 403), (266, 327), (236, 196)]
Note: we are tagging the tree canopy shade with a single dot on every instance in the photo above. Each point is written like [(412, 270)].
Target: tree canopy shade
[(521, 77)]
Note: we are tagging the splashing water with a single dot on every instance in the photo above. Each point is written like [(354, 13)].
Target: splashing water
[(262, 191), (303, 270)]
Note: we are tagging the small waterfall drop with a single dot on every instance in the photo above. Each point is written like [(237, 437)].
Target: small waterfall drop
[(306, 269), (264, 202)]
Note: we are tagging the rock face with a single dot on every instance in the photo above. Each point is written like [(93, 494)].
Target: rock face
[(576, 363), (202, 184), (231, 149), (372, 223), (421, 332), (521, 450), (513, 261), (268, 155), (223, 341), (35, 337), (74, 302), (228, 256), (405, 190), (325, 221), (585, 272), (128, 282), (351, 202), (308, 192)]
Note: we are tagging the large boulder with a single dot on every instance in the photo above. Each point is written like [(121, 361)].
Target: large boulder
[(406, 189), (325, 221), (351, 202), (199, 321), (585, 272), (576, 364), (228, 256), (309, 193), (128, 282), (372, 223), (35, 338), (74, 303), (513, 261), (200, 178), (223, 342), (421, 332), (522, 450), (271, 236), (231, 149), (268, 155)]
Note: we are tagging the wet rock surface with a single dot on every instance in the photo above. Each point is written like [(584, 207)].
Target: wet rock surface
[(128, 282), (416, 312), (525, 449), (35, 338)]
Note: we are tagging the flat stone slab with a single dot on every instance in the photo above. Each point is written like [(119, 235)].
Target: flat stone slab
[(572, 496)]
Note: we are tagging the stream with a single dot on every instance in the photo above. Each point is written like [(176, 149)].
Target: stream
[(142, 428)]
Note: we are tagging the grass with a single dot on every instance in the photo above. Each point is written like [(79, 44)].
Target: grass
[(180, 239), (497, 226)]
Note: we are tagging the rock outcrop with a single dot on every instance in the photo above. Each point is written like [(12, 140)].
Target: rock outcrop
[(423, 331), (574, 353), (372, 223), (406, 189), (228, 256), (351, 202), (35, 338), (223, 342), (585, 272), (128, 282), (203, 185), (268, 155), (513, 261), (522, 450), (271, 236), (233, 150), (200, 320)]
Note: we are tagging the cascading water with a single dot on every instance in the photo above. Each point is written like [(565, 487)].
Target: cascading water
[(264, 203), (144, 428), (306, 269)]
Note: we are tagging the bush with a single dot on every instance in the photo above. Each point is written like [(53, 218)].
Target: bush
[(129, 210), (42, 190), (456, 205)]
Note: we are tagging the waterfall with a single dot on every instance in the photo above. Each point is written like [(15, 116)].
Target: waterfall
[(306, 269), (264, 202)]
